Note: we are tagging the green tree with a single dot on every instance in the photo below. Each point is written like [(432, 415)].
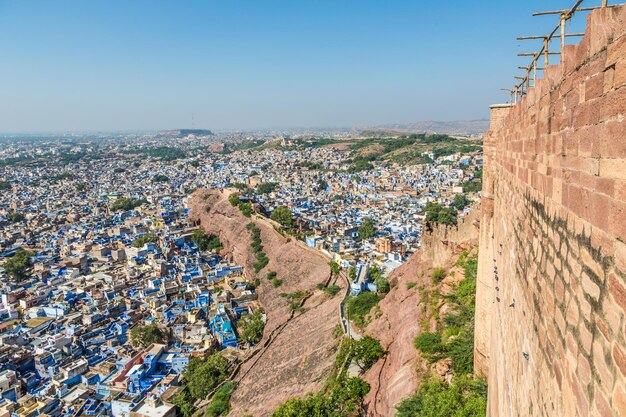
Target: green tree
[(184, 404), (352, 273), (376, 275), (334, 268), (283, 216), (144, 336), (461, 201), (127, 204), (18, 264), (367, 351), (202, 376), (233, 199), (15, 217), (266, 187), (142, 240), (160, 178), (5, 185), (204, 241), (367, 228), (250, 327), (436, 213)]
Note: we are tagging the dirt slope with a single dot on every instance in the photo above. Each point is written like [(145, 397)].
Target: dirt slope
[(296, 353)]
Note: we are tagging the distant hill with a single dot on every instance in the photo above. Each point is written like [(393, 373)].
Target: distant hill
[(461, 127), (181, 133)]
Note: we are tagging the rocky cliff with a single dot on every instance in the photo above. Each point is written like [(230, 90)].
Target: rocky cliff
[(397, 375), (298, 349)]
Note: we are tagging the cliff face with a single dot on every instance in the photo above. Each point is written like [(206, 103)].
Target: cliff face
[(551, 295), (396, 376), (297, 351)]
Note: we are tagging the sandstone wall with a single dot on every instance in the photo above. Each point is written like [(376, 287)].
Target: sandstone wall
[(551, 297)]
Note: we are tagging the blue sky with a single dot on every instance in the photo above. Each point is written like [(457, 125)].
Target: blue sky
[(144, 64)]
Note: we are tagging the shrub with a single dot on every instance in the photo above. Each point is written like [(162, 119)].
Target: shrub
[(360, 305), (332, 290), (250, 327), (367, 351), (429, 343), (233, 199), (220, 403), (277, 282), (438, 274), (466, 397)]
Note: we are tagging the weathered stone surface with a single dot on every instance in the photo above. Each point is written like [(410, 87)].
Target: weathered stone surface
[(555, 181)]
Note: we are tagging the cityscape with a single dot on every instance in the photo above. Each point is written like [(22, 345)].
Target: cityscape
[(312, 209)]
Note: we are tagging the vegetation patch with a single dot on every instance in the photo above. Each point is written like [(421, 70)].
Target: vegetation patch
[(359, 306), (454, 339), (261, 258), (18, 264), (204, 241)]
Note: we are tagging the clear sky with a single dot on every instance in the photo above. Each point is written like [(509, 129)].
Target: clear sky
[(114, 65)]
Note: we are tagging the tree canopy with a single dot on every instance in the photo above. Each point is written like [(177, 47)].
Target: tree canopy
[(18, 264), (367, 229), (144, 336), (437, 213), (204, 241), (202, 376), (266, 187), (250, 327), (127, 204), (283, 216), (367, 351)]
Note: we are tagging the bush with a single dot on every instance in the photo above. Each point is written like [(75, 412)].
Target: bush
[(461, 350), (465, 397), (332, 290), (277, 282), (360, 305), (220, 403), (250, 327), (367, 351), (271, 275), (437, 275), (429, 343), (245, 209), (233, 199)]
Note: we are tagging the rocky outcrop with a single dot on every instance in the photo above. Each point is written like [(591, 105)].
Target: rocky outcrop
[(397, 375), (298, 349)]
